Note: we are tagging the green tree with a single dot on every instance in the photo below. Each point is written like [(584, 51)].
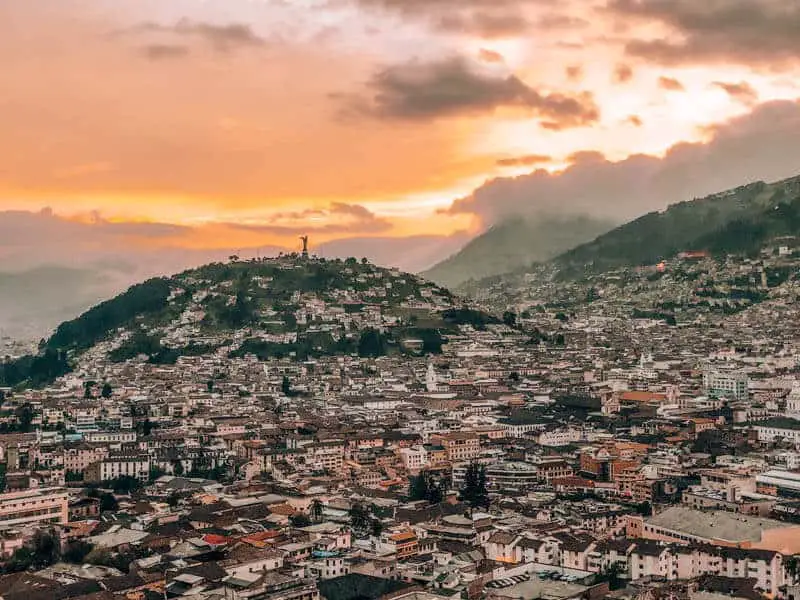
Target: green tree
[(316, 509), (177, 468), (299, 520), (372, 343), (376, 527), (611, 573), (359, 517), (286, 386), (76, 551), (474, 492), (418, 487), (108, 503), (107, 390), (510, 318)]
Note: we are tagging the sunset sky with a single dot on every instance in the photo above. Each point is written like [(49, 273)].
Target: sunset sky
[(243, 123)]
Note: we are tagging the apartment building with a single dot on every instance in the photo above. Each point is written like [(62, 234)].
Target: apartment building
[(27, 508)]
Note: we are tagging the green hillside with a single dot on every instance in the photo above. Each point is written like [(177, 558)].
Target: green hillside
[(515, 243), (264, 303), (738, 220)]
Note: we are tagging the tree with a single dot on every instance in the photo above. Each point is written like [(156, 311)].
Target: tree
[(106, 391), (791, 565), (173, 500), (316, 508), (510, 318), (359, 517), (611, 573), (46, 546), (125, 484), (474, 491), (108, 503), (372, 343), (210, 385), (376, 528), (300, 520), (418, 487), (76, 551), (177, 468), (24, 416), (286, 386)]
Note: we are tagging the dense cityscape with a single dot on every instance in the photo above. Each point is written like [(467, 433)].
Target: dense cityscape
[(296, 428)]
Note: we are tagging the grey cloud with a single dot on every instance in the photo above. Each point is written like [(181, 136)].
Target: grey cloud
[(529, 160), (164, 51), (623, 74), (670, 84), (746, 31), (742, 92), (759, 146), (422, 91), (359, 219), (223, 38), (483, 18)]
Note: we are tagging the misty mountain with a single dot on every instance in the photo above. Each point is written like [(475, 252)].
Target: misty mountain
[(735, 221), (515, 243)]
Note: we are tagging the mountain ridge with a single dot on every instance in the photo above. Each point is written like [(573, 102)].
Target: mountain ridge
[(515, 243)]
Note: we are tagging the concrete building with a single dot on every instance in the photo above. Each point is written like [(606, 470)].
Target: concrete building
[(42, 506)]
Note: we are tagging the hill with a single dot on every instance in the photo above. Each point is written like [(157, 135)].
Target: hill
[(288, 307), (515, 243), (735, 221)]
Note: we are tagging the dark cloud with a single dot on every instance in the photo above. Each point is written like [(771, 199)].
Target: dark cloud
[(222, 38), (490, 56), (529, 160), (746, 31), (623, 74), (759, 146), (574, 72), (482, 18), (741, 92), (164, 51), (422, 91), (487, 25), (670, 84), (561, 21), (352, 218)]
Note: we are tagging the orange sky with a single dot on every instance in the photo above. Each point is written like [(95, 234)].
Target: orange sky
[(251, 122)]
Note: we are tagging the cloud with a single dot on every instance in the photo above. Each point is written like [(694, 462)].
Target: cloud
[(761, 145), (487, 25), (623, 74), (338, 218), (524, 161), (762, 32), (490, 56), (574, 72), (164, 51), (670, 84), (481, 18), (741, 92), (453, 88), (222, 38)]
